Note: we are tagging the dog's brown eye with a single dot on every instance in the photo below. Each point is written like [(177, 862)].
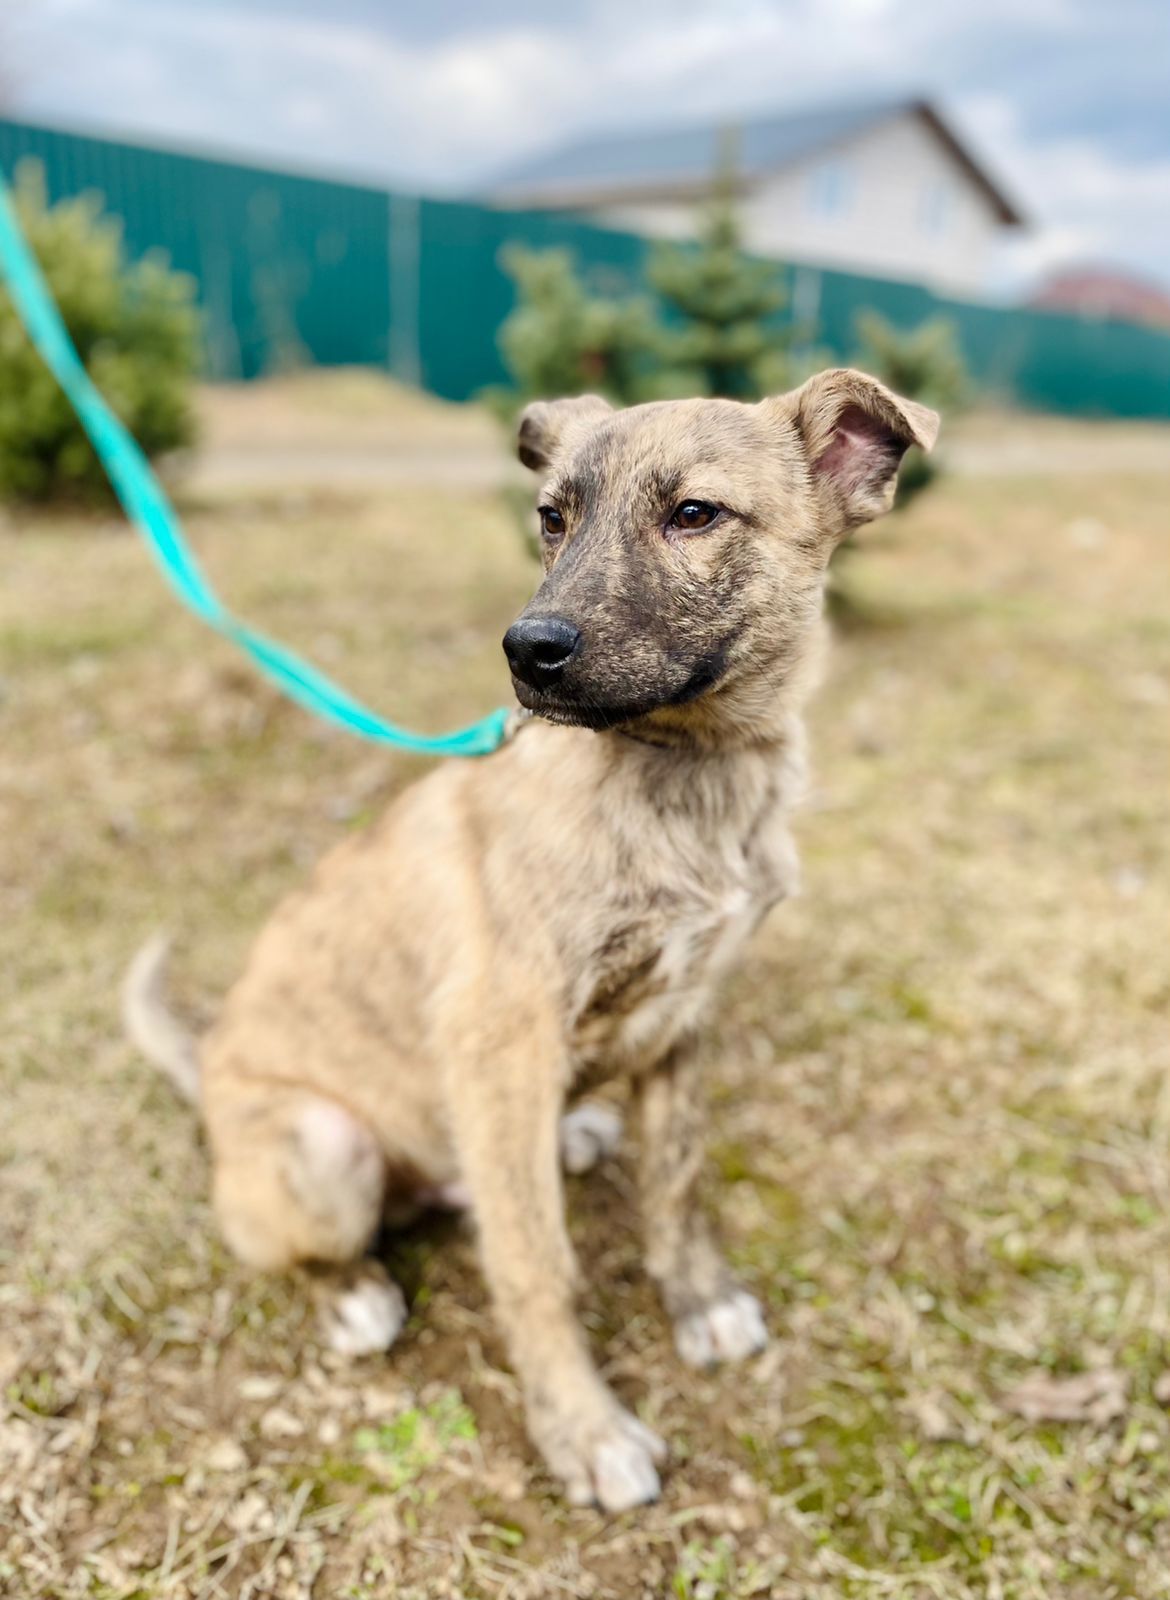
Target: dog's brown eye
[(552, 524), (693, 515)]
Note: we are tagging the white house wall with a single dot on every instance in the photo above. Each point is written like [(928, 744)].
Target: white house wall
[(893, 201)]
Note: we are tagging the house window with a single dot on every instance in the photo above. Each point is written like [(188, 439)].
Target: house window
[(830, 189), (934, 208)]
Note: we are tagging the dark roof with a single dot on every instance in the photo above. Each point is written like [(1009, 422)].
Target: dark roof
[(682, 160)]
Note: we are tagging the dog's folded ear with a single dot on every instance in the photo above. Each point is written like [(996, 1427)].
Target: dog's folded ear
[(546, 425), (855, 432)]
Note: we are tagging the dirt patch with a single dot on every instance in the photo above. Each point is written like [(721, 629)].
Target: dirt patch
[(345, 430)]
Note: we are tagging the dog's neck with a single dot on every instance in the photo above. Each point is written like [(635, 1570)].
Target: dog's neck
[(719, 781)]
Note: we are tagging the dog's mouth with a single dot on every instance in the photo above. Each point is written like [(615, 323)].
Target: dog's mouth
[(573, 711), (574, 705)]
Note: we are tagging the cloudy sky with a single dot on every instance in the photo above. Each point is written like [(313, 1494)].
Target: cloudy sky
[(1068, 101)]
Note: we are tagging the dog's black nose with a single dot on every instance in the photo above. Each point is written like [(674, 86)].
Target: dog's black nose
[(539, 648)]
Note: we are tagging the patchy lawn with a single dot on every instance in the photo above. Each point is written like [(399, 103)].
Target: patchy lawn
[(941, 1131)]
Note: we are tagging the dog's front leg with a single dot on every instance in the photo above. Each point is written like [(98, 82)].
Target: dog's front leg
[(506, 1110), (714, 1319)]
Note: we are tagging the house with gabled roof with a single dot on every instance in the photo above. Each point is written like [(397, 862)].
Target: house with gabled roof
[(878, 187)]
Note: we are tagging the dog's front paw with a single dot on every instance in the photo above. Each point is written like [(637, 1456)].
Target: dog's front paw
[(729, 1329), (611, 1463)]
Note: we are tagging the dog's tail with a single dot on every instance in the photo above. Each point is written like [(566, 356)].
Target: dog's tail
[(150, 1024)]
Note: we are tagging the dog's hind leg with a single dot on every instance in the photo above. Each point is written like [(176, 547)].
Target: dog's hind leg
[(590, 1133), (299, 1180)]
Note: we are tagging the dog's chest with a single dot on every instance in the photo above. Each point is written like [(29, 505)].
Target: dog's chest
[(650, 978)]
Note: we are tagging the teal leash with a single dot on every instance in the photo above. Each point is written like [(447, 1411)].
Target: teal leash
[(147, 506)]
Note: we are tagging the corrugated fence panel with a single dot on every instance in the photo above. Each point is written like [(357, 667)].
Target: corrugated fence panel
[(1036, 358), (289, 268), (294, 269)]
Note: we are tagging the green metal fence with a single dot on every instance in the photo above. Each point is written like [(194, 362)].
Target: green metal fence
[(293, 269), (289, 268)]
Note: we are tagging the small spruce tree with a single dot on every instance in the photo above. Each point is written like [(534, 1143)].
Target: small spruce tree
[(720, 337), (561, 339)]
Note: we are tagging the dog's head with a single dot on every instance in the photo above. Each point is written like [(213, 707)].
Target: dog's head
[(685, 545)]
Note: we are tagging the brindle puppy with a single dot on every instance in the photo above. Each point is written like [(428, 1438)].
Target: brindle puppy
[(412, 1023)]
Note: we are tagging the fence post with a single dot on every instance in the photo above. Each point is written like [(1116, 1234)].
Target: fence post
[(403, 250)]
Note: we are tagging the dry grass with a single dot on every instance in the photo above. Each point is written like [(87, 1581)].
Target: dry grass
[(942, 1128)]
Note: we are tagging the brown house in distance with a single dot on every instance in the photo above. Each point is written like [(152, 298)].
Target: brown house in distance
[(1104, 294)]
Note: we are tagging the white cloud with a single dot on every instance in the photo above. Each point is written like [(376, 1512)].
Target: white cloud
[(319, 91), (456, 103), (1085, 204), (348, 91)]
